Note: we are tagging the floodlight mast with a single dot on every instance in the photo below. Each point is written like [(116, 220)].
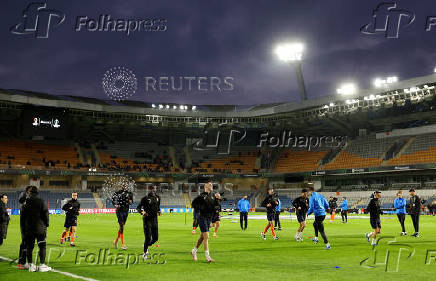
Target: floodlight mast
[(293, 52)]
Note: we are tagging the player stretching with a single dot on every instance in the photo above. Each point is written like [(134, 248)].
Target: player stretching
[(301, 205), (318, 206), (400, 210), (374, 213), (216, 221), (207, 204), (150, 209), (72, 209), (344, 210), (270, 202), (122, 200)]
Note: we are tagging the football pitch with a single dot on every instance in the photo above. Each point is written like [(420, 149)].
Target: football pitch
[(239, 255)]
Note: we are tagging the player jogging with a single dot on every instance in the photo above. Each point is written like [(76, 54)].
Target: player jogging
[(333, 205), (374, 213), (270, 202), (207, 204), (400, 210), (216, 221), (149, 208), (344, 210), (318, 206), (122, 200), (301, 205), (72, 209)]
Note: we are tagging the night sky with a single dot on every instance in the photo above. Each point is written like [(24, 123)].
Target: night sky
[(215, 38)]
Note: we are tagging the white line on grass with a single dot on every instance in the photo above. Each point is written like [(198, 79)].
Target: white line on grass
[(58, 271)]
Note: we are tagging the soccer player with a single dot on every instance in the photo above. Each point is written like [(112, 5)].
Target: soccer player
[(4, 217), (277, 215), (318, 205), (216, 221), (149, 208), (400, 210), (72, 209), (374, 213), (122, 199), (301, 205), (36, 221), (23, 248), (244, 207), (270, 202), (415, 210), (333, 205), (207, 204), (344, 210)]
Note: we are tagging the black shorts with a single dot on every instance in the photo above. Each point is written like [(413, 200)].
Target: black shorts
[(270, 216), (215, 218), (204, 224), (70, 221), (122, 216), (301, 217), (375, 223)]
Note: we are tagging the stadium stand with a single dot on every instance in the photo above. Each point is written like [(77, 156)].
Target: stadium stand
[(298, 160), (421, 150), (362, 152), (135, 156), (241, 160), (36, 154)]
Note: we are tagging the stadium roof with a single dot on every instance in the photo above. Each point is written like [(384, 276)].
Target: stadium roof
[(138, 107)]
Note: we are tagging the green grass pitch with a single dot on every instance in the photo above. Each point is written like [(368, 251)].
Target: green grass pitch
[(239, 255)]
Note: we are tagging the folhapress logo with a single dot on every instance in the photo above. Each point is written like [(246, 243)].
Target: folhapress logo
[(387, 20), (38, 20)]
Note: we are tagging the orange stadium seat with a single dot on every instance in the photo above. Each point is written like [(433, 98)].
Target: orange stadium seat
[(298, 161)]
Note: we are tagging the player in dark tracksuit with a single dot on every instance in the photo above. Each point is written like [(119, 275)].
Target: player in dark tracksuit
[(207, 204), (374, 211), (301, 205), (36, 221), (72, 209), (149, 208), (4, 217), (333, 204), (270, 202), (415, 210), (23, 249), (216, 220), (122, 199)]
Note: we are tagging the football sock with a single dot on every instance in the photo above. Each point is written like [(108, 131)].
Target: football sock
[(273, 232), (266, 229)]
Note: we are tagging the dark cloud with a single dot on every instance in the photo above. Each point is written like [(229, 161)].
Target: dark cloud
[(216, 38)]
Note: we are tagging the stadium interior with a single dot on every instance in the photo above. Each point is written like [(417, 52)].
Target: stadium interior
[(387, 142)]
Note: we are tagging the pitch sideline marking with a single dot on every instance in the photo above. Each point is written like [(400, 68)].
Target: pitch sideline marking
[(61, 272)]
